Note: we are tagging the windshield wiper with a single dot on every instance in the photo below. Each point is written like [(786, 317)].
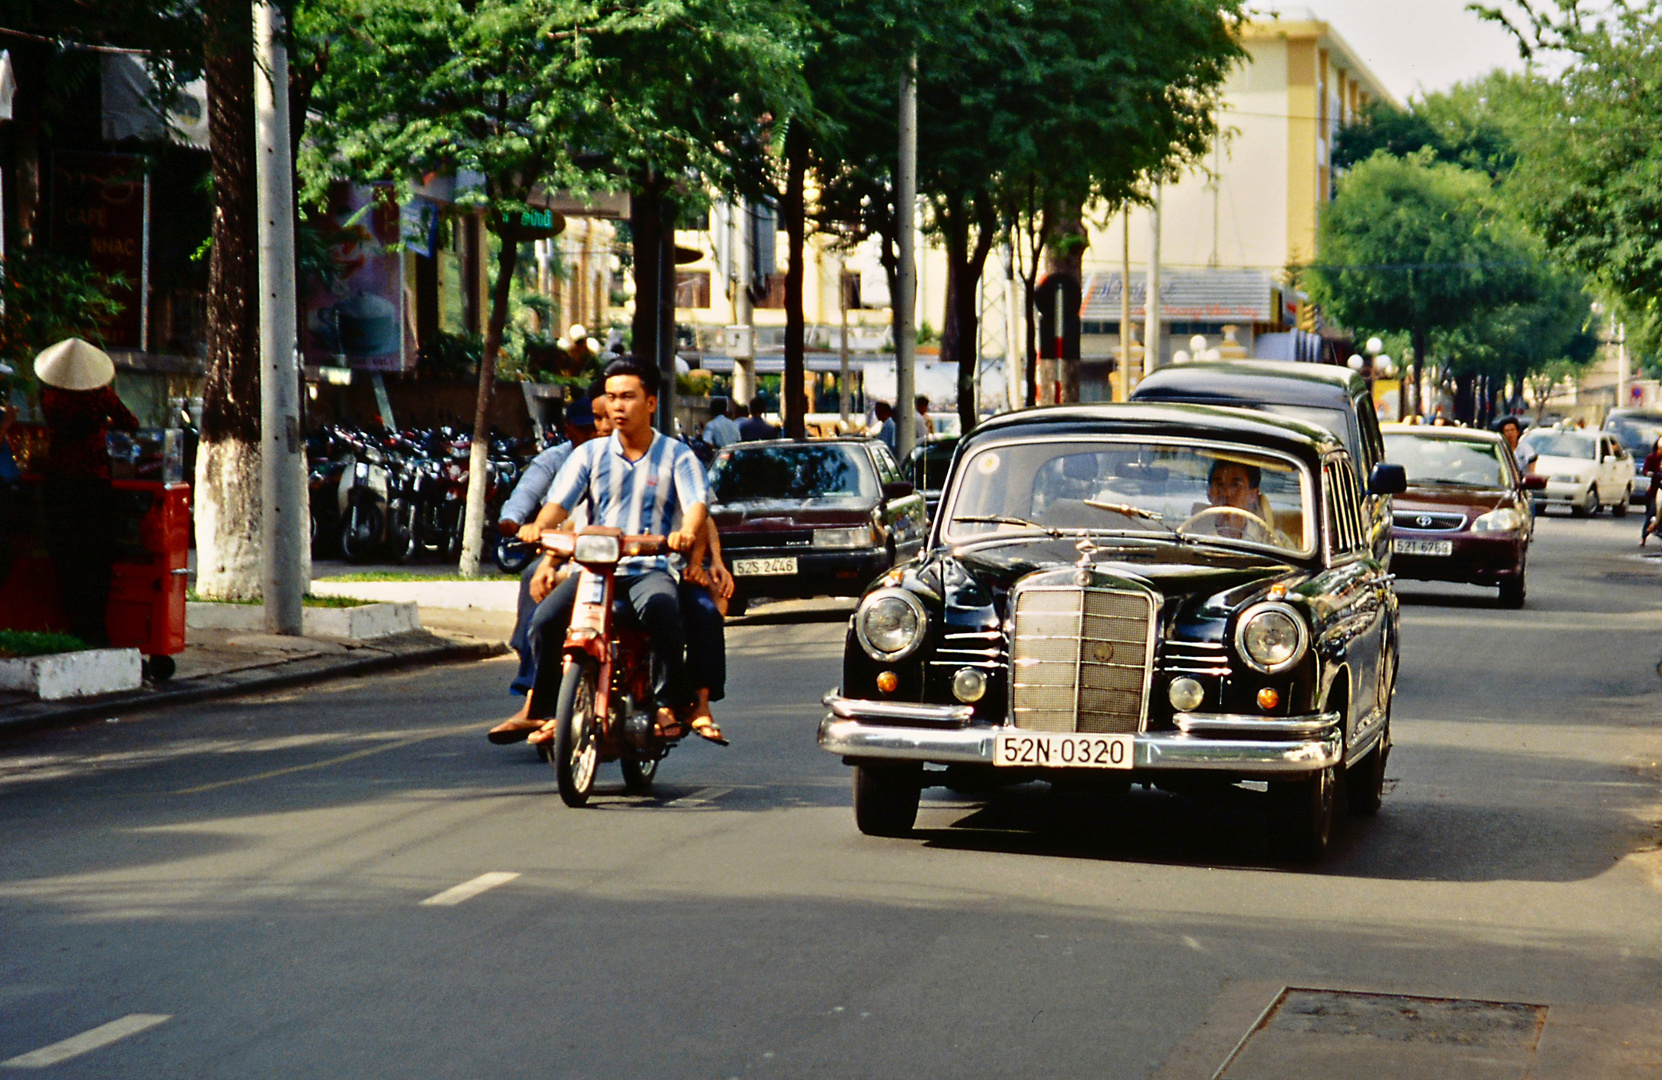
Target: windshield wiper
[(1132, 511), (995, 519)]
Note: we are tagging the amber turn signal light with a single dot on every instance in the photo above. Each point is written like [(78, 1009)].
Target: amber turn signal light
[(887, 681), (1268, 698)]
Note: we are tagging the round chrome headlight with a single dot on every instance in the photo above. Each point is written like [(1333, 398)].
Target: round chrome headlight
[(1271, 637), (890, 624)]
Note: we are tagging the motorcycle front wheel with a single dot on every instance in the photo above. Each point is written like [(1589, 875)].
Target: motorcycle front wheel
[(577, 738)]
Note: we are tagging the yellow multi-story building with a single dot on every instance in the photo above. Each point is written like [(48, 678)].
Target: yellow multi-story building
[(1231, 228)]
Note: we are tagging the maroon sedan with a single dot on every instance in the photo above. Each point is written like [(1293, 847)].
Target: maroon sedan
[(813, 518), (1465, 516)]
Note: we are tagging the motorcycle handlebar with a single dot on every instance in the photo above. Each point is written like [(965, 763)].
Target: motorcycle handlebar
[(564, 544)]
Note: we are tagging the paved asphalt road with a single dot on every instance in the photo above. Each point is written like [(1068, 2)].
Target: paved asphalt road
[(254, 871)]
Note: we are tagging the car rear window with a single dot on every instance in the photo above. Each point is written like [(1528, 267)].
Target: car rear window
[(1454, 462), (1637, 434), (792, 471), (1569, 444)]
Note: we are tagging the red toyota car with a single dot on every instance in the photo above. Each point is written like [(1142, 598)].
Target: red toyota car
[(1465, 516)]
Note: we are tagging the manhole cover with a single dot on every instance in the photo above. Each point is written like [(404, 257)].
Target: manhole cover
[(1328, 1033)]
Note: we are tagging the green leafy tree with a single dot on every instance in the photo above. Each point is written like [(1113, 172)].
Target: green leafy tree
[(45, 298), (1417, 246), (1588, 168), (1075, 98)]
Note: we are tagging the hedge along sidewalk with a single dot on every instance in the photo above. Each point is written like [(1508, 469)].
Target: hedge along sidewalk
[(219, 664)]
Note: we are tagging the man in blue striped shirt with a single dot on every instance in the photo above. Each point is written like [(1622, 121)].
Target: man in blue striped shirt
[(644, 483)]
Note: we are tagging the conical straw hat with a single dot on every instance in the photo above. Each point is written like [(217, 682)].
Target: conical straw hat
[(72, 364)]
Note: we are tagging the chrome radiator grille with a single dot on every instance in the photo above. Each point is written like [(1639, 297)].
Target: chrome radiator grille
[(1080, 659)]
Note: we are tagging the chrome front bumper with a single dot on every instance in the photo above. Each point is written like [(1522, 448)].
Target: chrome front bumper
[(867, 729)]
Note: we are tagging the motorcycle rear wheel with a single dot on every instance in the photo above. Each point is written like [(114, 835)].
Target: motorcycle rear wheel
[(577, 738), (638, 775)]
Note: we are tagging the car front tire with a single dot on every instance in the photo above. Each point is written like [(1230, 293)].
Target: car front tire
[(1512, 592), (886, 798), (1589, 506), (1365, 781), (1620, 508), (1302, 812)]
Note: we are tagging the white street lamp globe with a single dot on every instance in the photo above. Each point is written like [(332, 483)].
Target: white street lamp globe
[(1355, 362), (1181, 356), (1375, 346), (1212, 354), (578, 332), (1198, 344), (563, 343), (1384, 365), (593, 346)]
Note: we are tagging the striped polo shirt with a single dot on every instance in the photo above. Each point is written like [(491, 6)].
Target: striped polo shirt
[(648, 496)]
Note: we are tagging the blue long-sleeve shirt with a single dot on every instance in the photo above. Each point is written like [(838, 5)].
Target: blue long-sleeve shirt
[(532, 490)]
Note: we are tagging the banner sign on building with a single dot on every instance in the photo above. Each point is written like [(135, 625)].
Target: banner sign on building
[(355, 309), (1217, 296), (98, 214)]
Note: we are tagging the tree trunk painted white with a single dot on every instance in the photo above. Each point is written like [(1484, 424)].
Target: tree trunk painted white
[(227, 510)]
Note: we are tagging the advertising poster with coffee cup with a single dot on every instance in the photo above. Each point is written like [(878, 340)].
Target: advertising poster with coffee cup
[(355, 307)]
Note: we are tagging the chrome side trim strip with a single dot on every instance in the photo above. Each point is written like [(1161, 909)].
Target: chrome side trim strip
[(1246, 724)]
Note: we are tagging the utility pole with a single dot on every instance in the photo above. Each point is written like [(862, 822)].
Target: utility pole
[(1013, 360), (284, 524), (744, 317), (1126, 380), (842, 341), (1151, 303), (905, 208)]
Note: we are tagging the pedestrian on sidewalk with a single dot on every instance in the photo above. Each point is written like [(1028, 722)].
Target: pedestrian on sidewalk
[(81, 410)]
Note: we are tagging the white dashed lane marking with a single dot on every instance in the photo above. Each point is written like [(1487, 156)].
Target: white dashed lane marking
[(467, 890), (701, 797), (103, 1035)]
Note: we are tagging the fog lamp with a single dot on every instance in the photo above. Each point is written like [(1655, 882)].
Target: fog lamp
[(1186, 694), (969, 685), (887, 681), (1268, 698)]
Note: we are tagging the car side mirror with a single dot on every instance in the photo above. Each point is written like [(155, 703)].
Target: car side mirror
[(898, 489), (1388, 479), (1534, 482)]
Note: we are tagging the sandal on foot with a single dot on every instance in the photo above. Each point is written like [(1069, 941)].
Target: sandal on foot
[(543, 734), (673, 728), (707, 729)]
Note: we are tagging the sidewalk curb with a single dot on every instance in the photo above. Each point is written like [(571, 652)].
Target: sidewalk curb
[(47, 715)]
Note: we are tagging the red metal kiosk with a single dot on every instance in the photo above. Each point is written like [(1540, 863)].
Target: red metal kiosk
[(146, 608)]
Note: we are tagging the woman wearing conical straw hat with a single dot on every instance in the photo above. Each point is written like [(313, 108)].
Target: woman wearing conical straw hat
[(80, 410)]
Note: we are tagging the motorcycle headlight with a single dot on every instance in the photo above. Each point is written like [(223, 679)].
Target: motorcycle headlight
[(1271, 637), (360, 470), (1505, 519), (594, 550), (856, 537), (890, 624)]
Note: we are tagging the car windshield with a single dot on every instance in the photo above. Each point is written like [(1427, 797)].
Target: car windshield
[(1219, 492), (928, 464), (1637, 434), (1459, 462), (1570, 444), (792, 471)]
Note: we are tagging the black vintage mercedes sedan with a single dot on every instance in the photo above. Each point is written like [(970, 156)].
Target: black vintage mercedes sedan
[(1173, 594)]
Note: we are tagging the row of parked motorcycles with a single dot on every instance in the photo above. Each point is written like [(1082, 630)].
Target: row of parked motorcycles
[(378, 494)]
